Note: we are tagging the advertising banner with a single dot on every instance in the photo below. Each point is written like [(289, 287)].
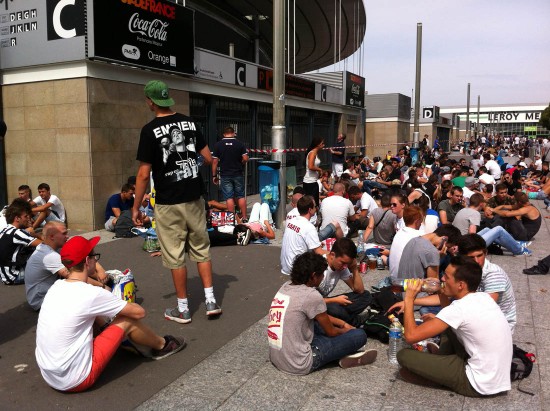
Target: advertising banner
[(355, 90), (154, 34), (34, 32)]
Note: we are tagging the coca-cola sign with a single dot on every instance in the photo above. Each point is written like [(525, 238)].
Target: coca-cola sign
[(155, 34), (155, 29)]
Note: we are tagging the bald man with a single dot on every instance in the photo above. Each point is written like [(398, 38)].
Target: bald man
[(44, 266)]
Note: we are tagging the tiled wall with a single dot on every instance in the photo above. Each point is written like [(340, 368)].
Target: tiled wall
[(80, 136)]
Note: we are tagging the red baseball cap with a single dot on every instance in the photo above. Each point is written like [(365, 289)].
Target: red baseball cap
[(76, 250)]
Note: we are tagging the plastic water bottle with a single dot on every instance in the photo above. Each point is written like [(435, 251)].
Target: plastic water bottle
[(429, 285), (360, 241), (396, 333)]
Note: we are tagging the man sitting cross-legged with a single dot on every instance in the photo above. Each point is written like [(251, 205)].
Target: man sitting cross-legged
[(468, 360), (342, 265), (48, 206), (68, 356)]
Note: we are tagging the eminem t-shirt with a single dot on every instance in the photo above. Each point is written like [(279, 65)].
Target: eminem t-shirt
[(170, 144)]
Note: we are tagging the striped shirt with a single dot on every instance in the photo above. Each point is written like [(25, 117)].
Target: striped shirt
[(12, 243), (495, 280)]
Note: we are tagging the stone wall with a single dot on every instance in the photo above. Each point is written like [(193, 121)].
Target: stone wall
[(80, 136)]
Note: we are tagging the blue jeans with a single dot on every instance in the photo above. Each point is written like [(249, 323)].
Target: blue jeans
[(232, 187), (328, 232), (327, 349), (500, 236), (368, 185)]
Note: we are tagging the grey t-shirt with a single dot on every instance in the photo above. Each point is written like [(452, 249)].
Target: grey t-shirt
[(384, 229), (40, 274), (451, 210), (465, 218), (290, 327), (418, 255)]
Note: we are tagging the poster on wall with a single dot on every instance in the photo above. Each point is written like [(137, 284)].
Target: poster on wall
[(155, 34), (35, 32)]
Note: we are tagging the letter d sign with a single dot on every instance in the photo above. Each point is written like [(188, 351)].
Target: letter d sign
[(428, 112), (65, 19)]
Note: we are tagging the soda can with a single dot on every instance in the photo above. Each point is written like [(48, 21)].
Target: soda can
[(363, 267)]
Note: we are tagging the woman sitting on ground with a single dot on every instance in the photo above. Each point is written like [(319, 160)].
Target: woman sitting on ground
[(302, 337), (522, 220)]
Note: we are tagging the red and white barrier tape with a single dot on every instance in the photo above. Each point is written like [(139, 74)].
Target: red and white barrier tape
[(294, 150)]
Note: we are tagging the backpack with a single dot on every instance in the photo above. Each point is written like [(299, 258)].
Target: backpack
[(522, 364), (377, 325), (124, 225)]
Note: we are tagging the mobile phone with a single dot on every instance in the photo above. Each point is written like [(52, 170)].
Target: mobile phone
[(442, 243)]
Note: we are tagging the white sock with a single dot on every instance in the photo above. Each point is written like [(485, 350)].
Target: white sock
[(183, 304), (209, 295)]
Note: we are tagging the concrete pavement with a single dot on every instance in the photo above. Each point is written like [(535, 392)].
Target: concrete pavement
[(226, 366)]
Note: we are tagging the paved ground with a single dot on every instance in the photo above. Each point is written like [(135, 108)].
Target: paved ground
[(226, 364)]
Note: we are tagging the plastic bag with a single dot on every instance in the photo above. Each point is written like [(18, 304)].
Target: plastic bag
[(124, 285)]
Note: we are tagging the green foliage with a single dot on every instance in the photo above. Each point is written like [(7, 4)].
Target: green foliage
[(545, 118)]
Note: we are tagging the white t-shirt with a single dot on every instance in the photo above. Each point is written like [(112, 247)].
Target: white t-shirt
[(299, 236), (486, 179), (65, 330), (400, 240), (367, 203), (57, 208), (331, 279), (493, 168), (294, 213), (486, 338), (336, 208)]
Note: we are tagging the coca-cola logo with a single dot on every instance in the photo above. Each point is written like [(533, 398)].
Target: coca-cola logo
[(155, 29)]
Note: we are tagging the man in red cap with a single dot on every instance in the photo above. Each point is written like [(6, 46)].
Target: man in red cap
[(69, 357)]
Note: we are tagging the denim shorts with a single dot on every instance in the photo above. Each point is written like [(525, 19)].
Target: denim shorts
[(232, 187)]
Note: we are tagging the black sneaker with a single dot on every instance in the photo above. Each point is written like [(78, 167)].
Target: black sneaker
[(535, 270), (243, 237), (172, 345)]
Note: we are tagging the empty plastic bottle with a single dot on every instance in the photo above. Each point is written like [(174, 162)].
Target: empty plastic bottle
[(360, 241)]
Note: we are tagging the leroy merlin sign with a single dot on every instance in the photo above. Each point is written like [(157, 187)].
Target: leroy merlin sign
[(505, 117)]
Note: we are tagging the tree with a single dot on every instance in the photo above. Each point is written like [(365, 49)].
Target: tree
[(545, 118)]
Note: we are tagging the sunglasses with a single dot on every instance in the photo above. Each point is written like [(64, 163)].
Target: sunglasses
[(95, 256), (394, 204)]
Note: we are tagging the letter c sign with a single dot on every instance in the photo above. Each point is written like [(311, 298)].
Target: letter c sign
[(65, 19), (240, 74)]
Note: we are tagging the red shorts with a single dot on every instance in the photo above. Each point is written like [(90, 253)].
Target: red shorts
[(105, 346)]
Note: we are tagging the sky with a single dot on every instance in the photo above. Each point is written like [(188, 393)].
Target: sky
[(500, 47)]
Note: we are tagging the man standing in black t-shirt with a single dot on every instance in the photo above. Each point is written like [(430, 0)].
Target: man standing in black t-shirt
[(338, 155), (231, 156), (179, 208)]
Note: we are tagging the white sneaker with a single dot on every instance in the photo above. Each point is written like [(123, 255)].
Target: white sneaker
[(357, 359)]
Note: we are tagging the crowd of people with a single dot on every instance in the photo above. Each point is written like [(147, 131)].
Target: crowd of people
[(428, 217), (432, 217)]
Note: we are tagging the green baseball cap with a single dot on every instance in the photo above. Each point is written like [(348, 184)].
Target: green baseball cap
[(157, 91)]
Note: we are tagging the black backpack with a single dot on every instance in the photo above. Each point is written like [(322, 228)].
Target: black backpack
[(124, 225), (522, 365), (377, 324)]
